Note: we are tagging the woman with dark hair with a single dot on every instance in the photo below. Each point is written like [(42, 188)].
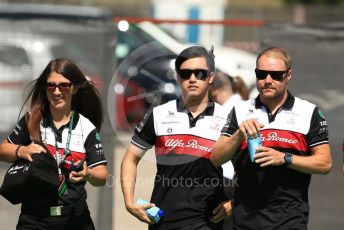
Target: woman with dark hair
[(64, 118)]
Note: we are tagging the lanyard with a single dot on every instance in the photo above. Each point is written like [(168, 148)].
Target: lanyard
[(66, 150)]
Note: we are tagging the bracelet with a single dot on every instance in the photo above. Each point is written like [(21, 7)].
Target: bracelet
[(17, 151)]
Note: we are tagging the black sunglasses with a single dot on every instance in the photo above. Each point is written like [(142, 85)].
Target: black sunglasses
[(275, 75), (201, 74), (63, 87)]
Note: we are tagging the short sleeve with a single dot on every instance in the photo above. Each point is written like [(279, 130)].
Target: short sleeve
[(318, 132), (94, 150), (231, 125), (20, 134), (144, 136)]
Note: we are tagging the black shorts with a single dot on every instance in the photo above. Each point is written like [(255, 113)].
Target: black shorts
[(200, 225), (82, 221)]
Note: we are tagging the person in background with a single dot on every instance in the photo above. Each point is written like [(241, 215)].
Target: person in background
[(271, 192), (187, 186), (64, 119), (228, 91)]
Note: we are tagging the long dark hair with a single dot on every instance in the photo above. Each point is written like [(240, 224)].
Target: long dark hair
[(86, 101)]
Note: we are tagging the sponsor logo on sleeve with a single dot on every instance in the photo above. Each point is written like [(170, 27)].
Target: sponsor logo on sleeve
[(97, 136), (321, 114), (17, 129)]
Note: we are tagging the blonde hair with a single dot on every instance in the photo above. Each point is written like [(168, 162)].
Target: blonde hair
[(276, 52)]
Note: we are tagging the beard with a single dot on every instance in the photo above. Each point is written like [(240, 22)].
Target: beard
[(271, 94)]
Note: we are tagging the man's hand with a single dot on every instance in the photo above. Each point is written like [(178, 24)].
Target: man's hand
[(139, 211), (249, 127), (222, 211), (267, 156)]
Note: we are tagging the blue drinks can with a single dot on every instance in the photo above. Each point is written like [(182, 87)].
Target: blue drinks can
[(154, 213), (253, 143)]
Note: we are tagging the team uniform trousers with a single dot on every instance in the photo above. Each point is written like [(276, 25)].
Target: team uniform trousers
[(71, 221)]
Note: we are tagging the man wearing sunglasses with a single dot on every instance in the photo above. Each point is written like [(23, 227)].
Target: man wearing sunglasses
[(272, 191), (188, 188)]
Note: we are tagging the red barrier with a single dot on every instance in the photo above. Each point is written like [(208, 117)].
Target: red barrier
[(226, 22)]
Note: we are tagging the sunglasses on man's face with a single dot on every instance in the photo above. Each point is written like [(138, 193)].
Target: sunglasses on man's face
[(200, 74), (275, 75), (64, 87)]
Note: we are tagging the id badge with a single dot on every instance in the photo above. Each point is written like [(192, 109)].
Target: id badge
[(55, 211)]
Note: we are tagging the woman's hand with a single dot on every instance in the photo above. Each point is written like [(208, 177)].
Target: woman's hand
[(26, 152), (82, 175)]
